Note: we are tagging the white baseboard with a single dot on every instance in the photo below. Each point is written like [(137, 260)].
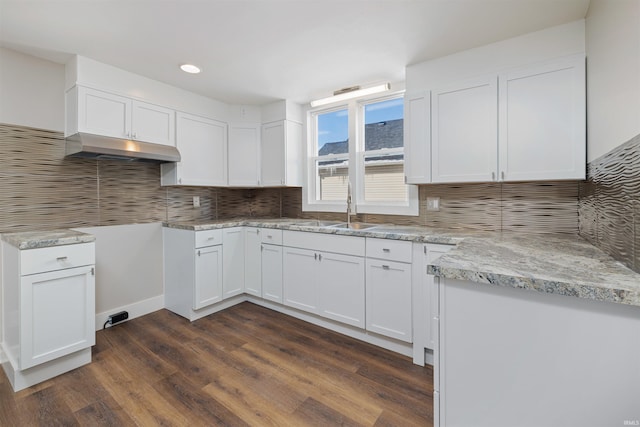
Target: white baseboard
[(137, 309), (3, 357)]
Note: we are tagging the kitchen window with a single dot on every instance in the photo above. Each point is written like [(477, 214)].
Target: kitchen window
[(361, 143)]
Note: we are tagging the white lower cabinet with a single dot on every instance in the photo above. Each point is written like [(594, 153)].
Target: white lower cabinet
[(192, 271), (271, 262), (300, 280), (233, 261), (341, 288), (208, 280), (389, 299), (48, 311), (317, 278), (425, 299), (253, 261)]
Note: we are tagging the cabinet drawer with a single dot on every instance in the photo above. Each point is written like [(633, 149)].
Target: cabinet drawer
[(271, 236), (392, 250), (56, 258), (208, 238)]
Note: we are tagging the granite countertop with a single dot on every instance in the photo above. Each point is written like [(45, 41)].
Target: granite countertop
[(564, 265), (383, 231), (45, 239), (560, 264)]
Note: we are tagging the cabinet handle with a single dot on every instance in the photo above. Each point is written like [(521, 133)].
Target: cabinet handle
[(269, 236), (502, 175), (93, 271), (315, 256), (493, 176), (258, 231), (385, 267), (211, 238), (261, 248), (198, 253), (135, 135), (319, 257), (424, 249), (387, 250), (61, 258)]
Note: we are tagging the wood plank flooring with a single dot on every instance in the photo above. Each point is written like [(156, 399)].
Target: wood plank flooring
[(246, 365)]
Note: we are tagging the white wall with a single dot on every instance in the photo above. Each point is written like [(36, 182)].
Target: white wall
[(129, 274), (562, 40), (31, 91), (613, 74)]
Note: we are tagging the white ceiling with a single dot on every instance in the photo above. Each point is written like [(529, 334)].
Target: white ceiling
[(258, 51)]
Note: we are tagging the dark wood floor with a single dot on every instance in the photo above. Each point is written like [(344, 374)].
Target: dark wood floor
[(246, 365)]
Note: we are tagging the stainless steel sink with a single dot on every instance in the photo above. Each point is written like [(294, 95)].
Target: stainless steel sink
[(355, 226)]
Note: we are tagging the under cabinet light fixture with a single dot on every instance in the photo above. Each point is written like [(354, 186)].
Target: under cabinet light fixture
[(190, 68), (350, 93)]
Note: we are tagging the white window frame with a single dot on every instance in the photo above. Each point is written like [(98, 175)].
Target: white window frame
[(355, 110)]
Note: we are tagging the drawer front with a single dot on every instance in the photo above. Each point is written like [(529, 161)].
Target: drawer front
[(208, 238), (392, 250), (271, 236), (54, 258)]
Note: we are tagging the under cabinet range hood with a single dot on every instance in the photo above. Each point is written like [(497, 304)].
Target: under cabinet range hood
[(106, 148)]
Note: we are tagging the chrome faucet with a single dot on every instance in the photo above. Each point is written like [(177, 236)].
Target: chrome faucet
[(348, 204)]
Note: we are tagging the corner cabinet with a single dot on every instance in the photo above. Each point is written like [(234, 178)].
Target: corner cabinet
[(107, 114), (202, 144), (48, 310), (281, 154)]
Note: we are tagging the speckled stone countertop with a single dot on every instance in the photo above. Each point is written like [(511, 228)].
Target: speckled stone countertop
[(383, 231), (564, 265), (559, 264), (45, 239)]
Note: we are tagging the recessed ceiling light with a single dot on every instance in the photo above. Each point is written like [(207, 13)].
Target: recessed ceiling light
[(189, 68)]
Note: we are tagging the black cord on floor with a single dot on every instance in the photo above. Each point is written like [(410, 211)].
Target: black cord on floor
[(105, 324)]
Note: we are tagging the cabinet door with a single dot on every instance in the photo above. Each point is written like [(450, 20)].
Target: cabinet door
[(341, 288), (244, 155), (389, 299), (203, 147), (233, 261), (57, 314), (543, 122), (103, 113), (152, 123), (273, 154), (208, 283), (300, 282), (272, 273), (417, 138), (253, 261), (464, 132)]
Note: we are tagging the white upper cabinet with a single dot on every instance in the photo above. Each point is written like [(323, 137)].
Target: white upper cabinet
[(417, 137), (153, 123), (281, 150), (464, 131), (203, 148), (244, 154), (102, 113), (543, 121)]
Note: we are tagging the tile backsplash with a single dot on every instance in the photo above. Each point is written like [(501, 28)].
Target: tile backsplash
[(40, 188), (610, 203)]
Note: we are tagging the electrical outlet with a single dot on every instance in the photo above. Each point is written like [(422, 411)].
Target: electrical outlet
[(433, 204), (118, 317), (196, 201)]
